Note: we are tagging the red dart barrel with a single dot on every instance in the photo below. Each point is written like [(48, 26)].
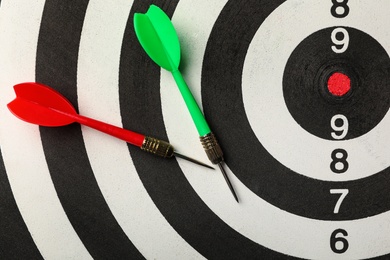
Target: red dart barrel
[(123, 134)]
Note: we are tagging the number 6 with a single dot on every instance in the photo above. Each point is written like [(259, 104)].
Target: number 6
[(339, 237)]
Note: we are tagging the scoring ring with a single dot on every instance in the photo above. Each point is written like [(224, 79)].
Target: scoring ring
[(305, 83), (246, 155)]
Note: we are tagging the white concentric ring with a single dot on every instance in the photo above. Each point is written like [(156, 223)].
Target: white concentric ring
[(97, 87), (268, 115), (254, 218), (21, 144), (148, 230)]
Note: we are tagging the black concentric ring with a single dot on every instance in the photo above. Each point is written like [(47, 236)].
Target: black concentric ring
[(365, 62), (140, 105), (70, 170), (249, 160), (140, 102), (14, 232)]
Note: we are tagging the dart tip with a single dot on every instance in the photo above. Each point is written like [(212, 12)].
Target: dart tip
[(228, 181), (192, 160)]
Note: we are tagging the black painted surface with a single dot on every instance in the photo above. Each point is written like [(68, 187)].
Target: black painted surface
[(306, 73), (244, 153), (139, 87), (15, 240), (70, 170)]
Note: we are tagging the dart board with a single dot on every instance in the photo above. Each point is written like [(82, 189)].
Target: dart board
[(296, 91)]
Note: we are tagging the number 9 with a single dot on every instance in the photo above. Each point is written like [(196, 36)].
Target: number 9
[(343, 128), (344, 42)]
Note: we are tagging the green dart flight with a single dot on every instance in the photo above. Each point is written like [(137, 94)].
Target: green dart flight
[(159, 39)]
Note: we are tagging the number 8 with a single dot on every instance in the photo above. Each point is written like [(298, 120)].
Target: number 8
[(343, 5)]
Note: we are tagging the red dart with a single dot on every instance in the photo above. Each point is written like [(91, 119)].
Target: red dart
[(39, 104)]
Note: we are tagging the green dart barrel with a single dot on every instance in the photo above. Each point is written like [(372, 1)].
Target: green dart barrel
[(196, 114)]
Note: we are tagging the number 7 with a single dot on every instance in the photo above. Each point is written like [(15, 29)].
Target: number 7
[(343, 193)]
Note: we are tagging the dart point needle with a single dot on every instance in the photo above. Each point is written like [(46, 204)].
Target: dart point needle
[(227, 181), (215, 154), (192, 160), (166, 150)]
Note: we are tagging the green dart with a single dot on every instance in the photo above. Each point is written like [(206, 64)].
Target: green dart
[(159, 39)]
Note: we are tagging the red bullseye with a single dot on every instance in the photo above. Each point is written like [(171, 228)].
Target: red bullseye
[(339, 84)]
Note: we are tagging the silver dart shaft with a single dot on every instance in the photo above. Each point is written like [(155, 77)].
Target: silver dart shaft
[(227, 181), (192, 160), (215, 155)]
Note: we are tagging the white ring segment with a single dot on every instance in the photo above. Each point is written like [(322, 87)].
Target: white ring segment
[(21, 144), (253, 217), (118, 180), (265, 106)]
